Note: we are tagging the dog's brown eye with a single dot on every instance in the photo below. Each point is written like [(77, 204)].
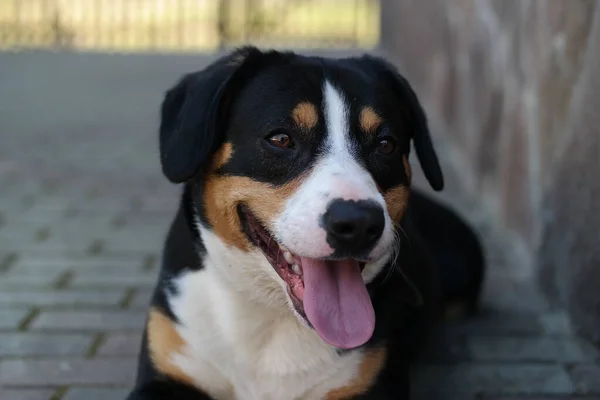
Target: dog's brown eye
[(281, 140), (386, 146)]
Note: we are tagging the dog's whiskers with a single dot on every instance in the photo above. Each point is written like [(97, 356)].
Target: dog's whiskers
[(395, 255)]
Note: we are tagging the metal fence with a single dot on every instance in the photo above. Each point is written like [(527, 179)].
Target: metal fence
[(186, 25)]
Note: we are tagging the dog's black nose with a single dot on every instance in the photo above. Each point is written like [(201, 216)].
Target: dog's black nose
[(353, 227)]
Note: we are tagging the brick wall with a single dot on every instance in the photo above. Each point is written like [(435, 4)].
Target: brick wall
[(515, 85)]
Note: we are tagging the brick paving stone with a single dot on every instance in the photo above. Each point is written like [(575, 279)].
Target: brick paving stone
[(142, 298), (33, 344), (572, 397), (445, 396), (26, 394), (498, 323), (69, 297), (142, 222), (587, 378), (24, 270), (98, 206), (513, 294), (77, 261), (49, 211), (24, 188), (121, 344), (89, 320), (113, 371), (65, 243), (96, 394), (99, 279), (517, 378), (10, 319), (530, 349), (446, 348), (128, 239), (17, 228), (75, 235), (31, 262), (45, 278), (16, 204), (556, 323), (17, 240), (167, 205)]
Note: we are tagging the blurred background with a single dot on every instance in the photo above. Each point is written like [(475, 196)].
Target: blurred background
[(186, 25), (511, 88)]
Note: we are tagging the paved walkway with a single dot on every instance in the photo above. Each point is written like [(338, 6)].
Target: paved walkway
[(83, 212)]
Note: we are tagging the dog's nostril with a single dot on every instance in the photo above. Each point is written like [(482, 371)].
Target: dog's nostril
[(344, 228), (373, 230)]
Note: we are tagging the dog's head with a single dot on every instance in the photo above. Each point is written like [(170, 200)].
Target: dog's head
[(298, 169)]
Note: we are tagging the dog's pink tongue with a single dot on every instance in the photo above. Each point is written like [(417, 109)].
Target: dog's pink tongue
[(336, 302)]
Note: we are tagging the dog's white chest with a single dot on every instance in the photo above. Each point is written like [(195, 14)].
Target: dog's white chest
[(234, 352)]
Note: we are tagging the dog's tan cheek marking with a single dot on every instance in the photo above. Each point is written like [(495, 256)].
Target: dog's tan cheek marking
[(163, 342), (396, 201), (222, 195), (372, 363), (369, 120), (407, 168), (305, 115)]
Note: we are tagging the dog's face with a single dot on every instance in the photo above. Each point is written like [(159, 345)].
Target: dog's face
[(300, 175)]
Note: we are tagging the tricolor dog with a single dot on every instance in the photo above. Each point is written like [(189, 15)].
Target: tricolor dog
[(293, 269)]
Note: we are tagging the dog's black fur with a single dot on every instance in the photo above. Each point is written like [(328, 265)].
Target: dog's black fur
[(407, 296)]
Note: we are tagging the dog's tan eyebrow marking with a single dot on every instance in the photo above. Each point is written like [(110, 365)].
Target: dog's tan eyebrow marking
[(396, 201), (371, 365), (305, 115), (163, 342), (221, 156), (369, 120)]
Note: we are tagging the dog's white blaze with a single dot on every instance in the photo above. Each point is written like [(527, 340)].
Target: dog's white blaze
[(336, 174), (337, 122), (242, 340)]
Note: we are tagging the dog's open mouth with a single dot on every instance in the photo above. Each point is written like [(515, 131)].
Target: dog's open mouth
[(330, 294)]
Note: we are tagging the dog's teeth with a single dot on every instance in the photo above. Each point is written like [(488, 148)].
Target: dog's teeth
[(296, 269), (288, 257), (284, 249)]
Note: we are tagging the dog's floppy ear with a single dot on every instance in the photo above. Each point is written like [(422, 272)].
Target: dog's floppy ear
[(421, 136), (191, 114)]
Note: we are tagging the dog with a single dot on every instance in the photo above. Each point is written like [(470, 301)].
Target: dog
[(293, 268)]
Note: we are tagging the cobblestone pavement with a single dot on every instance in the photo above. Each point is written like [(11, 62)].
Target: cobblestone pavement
[(83, 212)]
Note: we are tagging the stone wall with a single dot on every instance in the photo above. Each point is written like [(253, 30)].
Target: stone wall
[(514, 85)]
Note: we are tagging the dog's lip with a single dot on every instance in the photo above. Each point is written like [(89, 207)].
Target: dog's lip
[(260, 236), (252, 221)]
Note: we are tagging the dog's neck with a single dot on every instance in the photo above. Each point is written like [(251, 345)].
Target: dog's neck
[(239, 296), (245, 275)]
